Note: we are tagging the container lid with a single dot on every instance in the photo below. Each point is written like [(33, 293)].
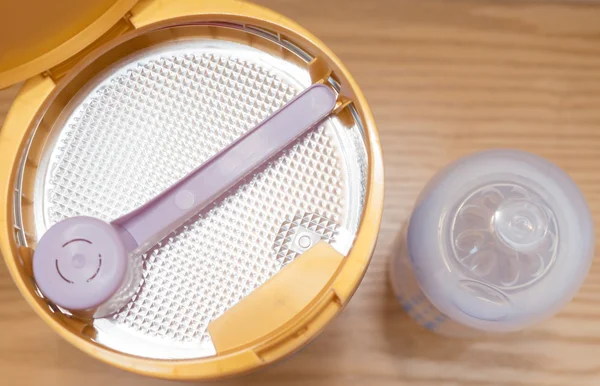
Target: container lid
[(37, 35)]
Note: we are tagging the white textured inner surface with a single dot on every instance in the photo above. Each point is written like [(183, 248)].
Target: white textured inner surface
[(147, 125)]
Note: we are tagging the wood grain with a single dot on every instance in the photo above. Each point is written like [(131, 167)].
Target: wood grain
[(444, 78)]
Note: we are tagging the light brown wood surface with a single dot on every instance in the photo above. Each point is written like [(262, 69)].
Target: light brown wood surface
[(444, 78)]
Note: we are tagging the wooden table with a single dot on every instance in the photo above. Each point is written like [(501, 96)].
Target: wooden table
[(444, 78)]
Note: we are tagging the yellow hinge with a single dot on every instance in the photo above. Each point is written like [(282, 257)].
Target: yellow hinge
[(261, 316), (61, 69)]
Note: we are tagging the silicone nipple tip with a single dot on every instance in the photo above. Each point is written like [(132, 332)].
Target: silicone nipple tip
[(520, 223)]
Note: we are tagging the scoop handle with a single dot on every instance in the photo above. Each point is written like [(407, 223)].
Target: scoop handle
[(154, 220)]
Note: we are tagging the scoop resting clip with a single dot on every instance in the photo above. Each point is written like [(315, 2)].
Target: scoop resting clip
[(81, 262)]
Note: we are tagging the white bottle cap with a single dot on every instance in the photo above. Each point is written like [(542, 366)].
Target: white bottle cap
[(500, 240)]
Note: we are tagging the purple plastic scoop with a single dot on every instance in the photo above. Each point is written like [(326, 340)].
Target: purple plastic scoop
[(81, 262)]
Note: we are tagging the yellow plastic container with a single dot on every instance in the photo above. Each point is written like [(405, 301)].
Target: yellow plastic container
[(72, 42)]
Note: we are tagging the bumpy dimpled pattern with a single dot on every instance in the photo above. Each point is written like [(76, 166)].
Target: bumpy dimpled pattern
[(142, 130), (285, 236)]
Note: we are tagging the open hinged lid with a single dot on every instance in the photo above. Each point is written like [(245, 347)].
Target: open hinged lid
[(36, 35)]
